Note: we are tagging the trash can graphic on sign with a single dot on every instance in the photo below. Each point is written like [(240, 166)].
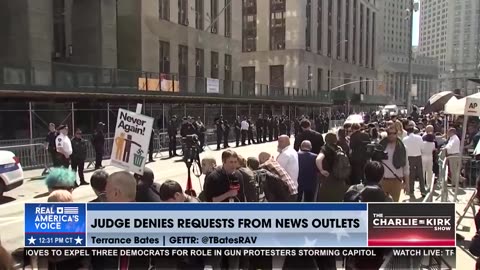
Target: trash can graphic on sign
[(138, 158)]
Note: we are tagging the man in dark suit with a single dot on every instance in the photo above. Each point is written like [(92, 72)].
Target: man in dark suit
[(308, 134), (307, 176), (358, 156)]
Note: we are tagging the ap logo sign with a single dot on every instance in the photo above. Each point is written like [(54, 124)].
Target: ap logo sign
[(473, 108)]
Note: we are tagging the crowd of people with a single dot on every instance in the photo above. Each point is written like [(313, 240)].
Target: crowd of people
[(368, 162)]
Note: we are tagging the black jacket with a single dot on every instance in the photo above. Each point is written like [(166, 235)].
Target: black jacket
[(314, 137), (98, 141), (79, 147), (358, 146), (172, 128), (218, 182)]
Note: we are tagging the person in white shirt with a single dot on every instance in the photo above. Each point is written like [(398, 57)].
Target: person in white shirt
[(428, 149), (244, 130), (453, 155), (414, 145), (63, 146), (288, 158)]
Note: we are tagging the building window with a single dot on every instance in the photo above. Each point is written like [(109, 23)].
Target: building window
[(309, 79), (183, 12), (228, 18), (373, 40), (199, 14), (319, 26), (361, 35), (249, 25), (308, 28), (329, 80), (319, 79), (164, 9), (213, 16), (354, 41), (367, 39), (330, 26), (228, 67), (199, 63), (164, 57), (183, 66), (347, 29), (339, 29), (248, 80), (276, 79), (59, 37), (227, 84), (214, 65), (277, 24)]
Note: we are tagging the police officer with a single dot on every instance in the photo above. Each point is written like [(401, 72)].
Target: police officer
[(200, 127), (226, 133), (250, 131), (79, 155), (238, 127), (276, 125), (63, 145), (259, 127), (98, 142), (270, 128), (220, 130), (265, 127), (172, 136), (288, 124), (50, 144), (282, 126), (150, 147)]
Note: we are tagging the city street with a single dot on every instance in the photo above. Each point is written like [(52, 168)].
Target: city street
[(12, 219)]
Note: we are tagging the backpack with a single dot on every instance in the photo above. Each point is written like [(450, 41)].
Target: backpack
[(341, 165), (269, 187)]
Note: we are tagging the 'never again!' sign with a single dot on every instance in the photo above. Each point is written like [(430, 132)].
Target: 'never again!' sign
[(130, 144)]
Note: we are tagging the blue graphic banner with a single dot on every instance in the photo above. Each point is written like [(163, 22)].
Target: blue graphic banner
[(55, 225), (239, 225)]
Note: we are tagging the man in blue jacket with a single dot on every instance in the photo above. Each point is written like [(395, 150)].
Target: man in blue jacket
[(307, 176)]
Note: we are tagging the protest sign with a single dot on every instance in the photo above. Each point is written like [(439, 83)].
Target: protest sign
[(131, 141)]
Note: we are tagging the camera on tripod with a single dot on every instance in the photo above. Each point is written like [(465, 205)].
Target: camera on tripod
[(191, 141), (376, 152)]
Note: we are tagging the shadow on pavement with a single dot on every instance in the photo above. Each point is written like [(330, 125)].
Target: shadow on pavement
[(41, 195), (6, 199)]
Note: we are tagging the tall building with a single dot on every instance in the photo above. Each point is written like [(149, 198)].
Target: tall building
[(186, 39), (393, 65), (433, 30), (310, 44), (463, 45)]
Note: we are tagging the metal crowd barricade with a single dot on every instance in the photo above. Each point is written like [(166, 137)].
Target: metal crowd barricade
[(397, 262), (31, 156)]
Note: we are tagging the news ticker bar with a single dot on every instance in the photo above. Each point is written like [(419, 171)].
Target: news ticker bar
[(251, 252), (245, 225)]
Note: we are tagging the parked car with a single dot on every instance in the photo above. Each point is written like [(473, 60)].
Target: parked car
[(11, 172)]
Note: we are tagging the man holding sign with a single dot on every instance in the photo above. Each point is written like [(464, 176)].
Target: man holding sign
[(131, 141)]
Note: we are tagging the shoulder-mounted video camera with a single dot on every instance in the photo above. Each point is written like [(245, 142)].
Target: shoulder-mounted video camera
[(376, 152)]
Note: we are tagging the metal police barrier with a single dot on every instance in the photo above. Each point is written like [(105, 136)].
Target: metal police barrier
[(31, 156), (396, 262)]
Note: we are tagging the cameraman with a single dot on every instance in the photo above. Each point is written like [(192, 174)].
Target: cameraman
[(397, 169), (225, 182)]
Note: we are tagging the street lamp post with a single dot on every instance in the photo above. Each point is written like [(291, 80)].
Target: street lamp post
[(330, 66), (412, 8)]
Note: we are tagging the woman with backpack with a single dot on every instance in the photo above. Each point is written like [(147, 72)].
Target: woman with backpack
[(330, 161)]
